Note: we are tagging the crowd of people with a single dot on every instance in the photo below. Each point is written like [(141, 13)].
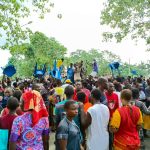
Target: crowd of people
[(91, 114)]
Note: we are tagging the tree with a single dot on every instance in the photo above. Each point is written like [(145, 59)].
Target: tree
[(103, 59), (12, 11), (141, 69), (41, 49), (127, 17)]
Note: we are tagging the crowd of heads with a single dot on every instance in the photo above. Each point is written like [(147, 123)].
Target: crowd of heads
[(135, 85), (90, 90)]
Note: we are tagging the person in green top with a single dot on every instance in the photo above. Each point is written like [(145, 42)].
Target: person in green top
[(59, 107)]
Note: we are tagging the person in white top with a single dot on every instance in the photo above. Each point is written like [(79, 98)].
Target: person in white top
[(118, 89), (96, 122)]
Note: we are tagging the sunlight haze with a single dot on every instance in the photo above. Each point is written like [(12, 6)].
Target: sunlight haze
[(79, 28)]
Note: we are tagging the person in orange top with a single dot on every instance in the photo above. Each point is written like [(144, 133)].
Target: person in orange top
[(81, 97), (125, 123)]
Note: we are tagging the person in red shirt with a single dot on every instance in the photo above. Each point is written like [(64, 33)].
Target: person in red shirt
[(85, 90), (7, 120), (112, 98), (113, 104), (79, 87)]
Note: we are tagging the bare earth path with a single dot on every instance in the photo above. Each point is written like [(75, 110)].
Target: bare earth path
[(52, 137)]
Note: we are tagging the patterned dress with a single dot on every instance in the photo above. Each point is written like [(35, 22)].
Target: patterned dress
[(26, 136)]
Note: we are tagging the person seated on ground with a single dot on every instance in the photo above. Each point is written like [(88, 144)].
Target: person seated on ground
[(17, 94), (31, 130), (125, 124), (7, 120), (68, 133), (81, 98)]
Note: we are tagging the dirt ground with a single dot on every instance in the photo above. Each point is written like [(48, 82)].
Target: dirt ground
[(52, 146)]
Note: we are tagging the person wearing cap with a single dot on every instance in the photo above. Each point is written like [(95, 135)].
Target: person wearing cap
[(67, 82)]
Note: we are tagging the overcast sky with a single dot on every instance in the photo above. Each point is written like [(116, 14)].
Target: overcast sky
[(80, 28)]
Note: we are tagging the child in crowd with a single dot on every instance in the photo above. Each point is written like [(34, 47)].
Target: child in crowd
[(7, 120), (7, 94)]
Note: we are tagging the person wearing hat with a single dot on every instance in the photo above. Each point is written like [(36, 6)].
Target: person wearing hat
[(67, 82)]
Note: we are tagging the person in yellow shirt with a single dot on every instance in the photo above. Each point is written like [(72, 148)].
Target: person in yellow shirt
[(60, 63), (59, 91), (125, 124)]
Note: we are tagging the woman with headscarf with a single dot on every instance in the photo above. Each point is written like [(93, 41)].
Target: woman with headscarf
[(31, 130)]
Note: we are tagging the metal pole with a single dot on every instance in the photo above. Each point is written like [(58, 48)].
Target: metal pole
[(129, 67)]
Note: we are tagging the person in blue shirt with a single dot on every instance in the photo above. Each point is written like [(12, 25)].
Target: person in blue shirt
[(7, 94), (68, 133), (60, 113)]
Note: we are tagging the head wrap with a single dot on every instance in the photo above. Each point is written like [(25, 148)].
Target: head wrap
[(33, 102)]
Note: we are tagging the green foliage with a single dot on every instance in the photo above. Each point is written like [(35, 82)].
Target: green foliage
[(25, 59), (103, 59), (24, 67), (127, 17), (12, 11), (41, 49)]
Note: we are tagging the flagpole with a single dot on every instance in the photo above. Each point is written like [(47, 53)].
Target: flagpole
[(129, 66)]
